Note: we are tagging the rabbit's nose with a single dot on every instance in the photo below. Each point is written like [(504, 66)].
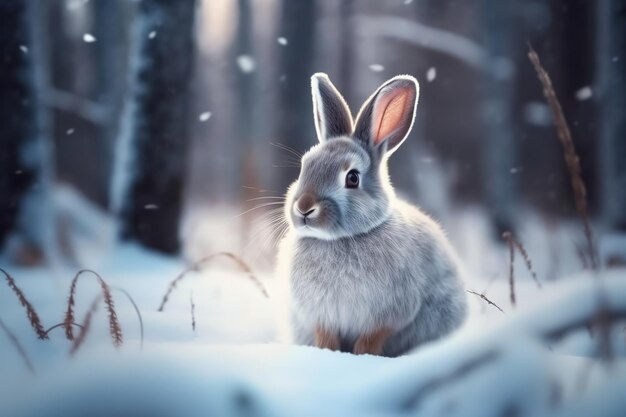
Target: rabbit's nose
[(306, 205), (307, 213)]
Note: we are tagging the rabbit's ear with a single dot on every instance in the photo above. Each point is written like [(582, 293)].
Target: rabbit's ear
[(386, 118), (331, 113)]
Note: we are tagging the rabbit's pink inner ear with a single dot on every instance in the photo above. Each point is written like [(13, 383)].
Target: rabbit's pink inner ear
[(391, 112)]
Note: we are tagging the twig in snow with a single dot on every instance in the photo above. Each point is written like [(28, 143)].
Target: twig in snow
[(18, 346), (487, 300), (193, 313), (200, 264), (505, 236), (33, 317), (522, 250), (582, 256), (569, 153)]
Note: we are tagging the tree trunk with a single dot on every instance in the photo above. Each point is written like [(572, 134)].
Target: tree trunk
[(611, 86), (151, 156), (24, 176), (295, 120), (500, 152)]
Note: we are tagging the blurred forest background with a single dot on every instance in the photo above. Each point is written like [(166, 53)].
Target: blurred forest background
[(161, 121)]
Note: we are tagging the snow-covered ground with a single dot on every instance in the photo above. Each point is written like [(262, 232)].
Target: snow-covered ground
[(231, 364)]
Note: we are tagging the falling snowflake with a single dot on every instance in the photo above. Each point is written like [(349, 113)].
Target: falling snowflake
[(75, 4), (408, 1), (282, 41), (204, 116), (89, 38), (152, 34), (24, 49), (584, 93), (615, 59), (537, 113), (246, 63), (151, 206), (431, 74), (282, 78), (70, 131), (377, 67)]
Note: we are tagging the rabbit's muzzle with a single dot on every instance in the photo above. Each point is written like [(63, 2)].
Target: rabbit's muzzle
[(306, 209)]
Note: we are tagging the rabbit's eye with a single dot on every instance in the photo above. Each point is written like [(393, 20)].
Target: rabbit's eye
[(352, 179)]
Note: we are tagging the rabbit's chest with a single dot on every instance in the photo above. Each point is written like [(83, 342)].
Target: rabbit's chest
[(340, 286)]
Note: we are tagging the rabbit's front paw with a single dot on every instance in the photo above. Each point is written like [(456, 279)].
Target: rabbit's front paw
[(325, 339), (372, 343)]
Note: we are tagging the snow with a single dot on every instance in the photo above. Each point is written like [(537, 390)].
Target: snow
[(24, 49), (377, 67), (204, 116), (152, 34), (231, 364), (584, 93), (246, 64), (537, 113), (73, 5), (89, 38), (431, 74), (70, 131), (282, 41)]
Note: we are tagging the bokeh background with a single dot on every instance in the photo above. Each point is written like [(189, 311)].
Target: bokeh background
[(163, 122)]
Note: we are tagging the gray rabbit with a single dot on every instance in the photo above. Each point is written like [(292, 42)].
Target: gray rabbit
[(367, 272)]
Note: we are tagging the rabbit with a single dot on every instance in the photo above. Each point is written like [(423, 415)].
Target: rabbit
[(367, 272)]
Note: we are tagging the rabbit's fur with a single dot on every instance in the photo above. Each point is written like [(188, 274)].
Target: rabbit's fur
[(367, 272)]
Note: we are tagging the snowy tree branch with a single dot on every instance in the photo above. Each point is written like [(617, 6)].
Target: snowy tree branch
[(84, 108), (416, 33), (440, 366)]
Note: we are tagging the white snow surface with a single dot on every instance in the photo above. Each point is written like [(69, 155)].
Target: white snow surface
[(232, 365)]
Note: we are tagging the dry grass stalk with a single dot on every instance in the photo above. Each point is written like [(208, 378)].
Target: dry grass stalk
[(114, 326), (569, 153), (139, 317), (33, 317), (200, 264), (193, 313), (506, 236), (522, 250), (18, 346), (78, 341), (62, 324), (487, 300)]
